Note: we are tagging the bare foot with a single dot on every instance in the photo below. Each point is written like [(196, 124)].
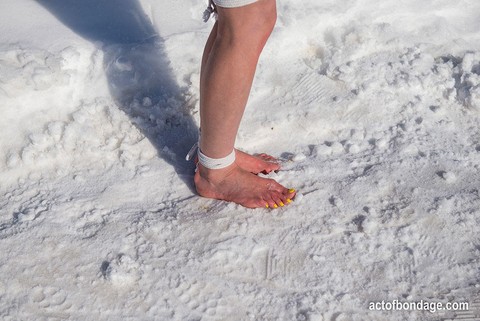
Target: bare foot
[(258, 163), (234, 184)]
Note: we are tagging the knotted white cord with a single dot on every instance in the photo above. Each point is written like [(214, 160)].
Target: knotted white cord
[(208, 162), (216, 163)]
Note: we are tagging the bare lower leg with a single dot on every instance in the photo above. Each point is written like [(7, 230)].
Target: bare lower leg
[(261, 163), (227, 74), (225, 85)]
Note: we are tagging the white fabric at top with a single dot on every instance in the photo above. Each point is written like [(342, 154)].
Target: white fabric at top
[(233, 3)]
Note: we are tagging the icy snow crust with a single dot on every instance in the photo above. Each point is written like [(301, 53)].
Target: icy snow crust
[(372, 106)]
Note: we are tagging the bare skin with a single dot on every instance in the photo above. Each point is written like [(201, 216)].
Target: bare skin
[(228, 68), (259, 163), (234, 184), (255, 164)]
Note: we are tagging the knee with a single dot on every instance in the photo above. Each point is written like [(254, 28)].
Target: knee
[(251, 24), (267, 17), (262, 21)]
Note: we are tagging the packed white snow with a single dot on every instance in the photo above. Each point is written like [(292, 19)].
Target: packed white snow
[(372, 106)]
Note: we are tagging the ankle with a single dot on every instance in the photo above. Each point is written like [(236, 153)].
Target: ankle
[(215, 175)]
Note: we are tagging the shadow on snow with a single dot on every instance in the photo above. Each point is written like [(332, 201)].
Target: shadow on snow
[(138, 71)]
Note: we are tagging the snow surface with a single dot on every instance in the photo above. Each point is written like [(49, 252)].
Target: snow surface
[(373, 107)]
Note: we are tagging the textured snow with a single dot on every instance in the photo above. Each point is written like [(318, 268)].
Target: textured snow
[(373, 108)]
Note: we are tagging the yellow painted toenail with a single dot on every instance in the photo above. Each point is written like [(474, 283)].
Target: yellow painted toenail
[(289, 200), (266, 205), (291, 190), (281, 204), (275, 206)]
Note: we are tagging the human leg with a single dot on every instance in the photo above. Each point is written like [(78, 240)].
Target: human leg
[(228, 72), (227, 75), (261, 163)]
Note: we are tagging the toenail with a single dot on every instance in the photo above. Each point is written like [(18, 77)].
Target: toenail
[(289, 200), (275, 206), (281, 204), (266, 206), (291, 190)]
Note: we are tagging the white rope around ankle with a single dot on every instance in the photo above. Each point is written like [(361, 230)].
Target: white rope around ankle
[(208, 162), (216, 163)]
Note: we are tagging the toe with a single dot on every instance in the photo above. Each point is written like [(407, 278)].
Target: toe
[(278, 199), (291, 193), (270, 201), (264, 203), (265, 156), (287, 196), (271, 168)]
